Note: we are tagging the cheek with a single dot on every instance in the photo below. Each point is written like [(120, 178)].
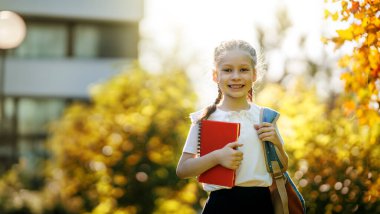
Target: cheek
[(249, 85), (249, 77), (222, 77)]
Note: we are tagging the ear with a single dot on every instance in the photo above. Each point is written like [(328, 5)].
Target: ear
[(215, 76)]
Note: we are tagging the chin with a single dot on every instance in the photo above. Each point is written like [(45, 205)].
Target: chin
[(238, 96)]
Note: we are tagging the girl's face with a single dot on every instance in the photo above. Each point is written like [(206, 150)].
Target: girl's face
[(235, 74)]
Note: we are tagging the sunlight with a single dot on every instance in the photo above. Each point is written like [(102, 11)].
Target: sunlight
[(196, 27)]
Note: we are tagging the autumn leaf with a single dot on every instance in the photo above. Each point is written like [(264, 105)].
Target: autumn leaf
[(364, 32)]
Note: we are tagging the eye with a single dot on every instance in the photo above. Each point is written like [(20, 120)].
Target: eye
[(227, 69), (244, 69)]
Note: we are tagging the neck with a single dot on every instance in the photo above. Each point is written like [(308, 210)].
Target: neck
[(231, 104)]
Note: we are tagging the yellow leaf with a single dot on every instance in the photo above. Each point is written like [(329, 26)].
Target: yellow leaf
[(365, 22), (358, 30), (324, 40), (335, 16), (375, 21), (345, 34), (327, 14), (344, 61)]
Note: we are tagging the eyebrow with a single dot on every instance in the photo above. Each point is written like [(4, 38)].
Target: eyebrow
[(239, 65)]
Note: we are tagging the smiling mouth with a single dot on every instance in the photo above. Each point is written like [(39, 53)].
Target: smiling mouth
[(236, 86)]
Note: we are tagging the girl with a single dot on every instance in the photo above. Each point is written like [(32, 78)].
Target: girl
[(235, 72)]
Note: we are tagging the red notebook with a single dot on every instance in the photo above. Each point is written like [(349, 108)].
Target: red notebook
[(215, 135)]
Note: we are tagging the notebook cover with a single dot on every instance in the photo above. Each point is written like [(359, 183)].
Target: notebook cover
[(215, 135)]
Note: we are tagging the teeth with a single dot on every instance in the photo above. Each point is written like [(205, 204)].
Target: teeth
[(236, 86)]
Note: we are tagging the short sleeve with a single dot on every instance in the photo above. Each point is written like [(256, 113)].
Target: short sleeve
[(191, 144), (194, 117)]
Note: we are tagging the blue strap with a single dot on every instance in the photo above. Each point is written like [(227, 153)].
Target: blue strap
[(270, 116)]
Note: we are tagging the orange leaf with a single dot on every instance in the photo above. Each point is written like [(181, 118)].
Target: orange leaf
[(355, 6), (376, 22), (349, 105), (371, 38)]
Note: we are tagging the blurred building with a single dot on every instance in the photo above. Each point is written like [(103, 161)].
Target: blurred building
[(69, 45)]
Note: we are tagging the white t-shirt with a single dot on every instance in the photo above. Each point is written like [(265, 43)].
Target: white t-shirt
[(252, 170)]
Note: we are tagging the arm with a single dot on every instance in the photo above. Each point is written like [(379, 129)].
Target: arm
[(281, 150), (190, 166)]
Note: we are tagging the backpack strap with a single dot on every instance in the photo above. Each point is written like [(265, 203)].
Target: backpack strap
[(271, 116), (275, 167), (273, 162)]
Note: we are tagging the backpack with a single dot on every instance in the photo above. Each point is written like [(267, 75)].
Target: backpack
[(285, 196)]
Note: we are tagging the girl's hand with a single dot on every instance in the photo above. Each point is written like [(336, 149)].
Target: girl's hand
[(229, 156), (267, 132)]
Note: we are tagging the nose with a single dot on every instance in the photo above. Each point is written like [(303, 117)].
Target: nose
[(235, 74)]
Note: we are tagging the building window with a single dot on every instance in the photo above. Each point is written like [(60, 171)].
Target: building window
[(34, 115), (27, 128), (48, 38), (43, 40), (105, 40), (86, 40)]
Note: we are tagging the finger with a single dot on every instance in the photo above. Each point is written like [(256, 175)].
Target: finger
[(265, 124), (238, 153), (236, 165), (269, 139), (233, 165), (266, 139), (233, 144), (266, 134), (265, 129), (256, 126)]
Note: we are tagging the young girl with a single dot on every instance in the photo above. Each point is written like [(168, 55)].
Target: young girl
[(235, 73)]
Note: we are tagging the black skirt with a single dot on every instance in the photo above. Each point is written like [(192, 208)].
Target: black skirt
[(239, 200)]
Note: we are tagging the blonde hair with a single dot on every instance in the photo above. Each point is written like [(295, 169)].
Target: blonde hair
[(219, 52)]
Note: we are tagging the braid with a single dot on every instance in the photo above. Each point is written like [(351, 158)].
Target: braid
[(212, 108), (250, 95)]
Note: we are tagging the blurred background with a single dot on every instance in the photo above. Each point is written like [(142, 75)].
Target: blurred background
[(95, 98)]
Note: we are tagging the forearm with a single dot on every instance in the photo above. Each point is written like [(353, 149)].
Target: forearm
[(282, 155), (280, 149), (191, 167)]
